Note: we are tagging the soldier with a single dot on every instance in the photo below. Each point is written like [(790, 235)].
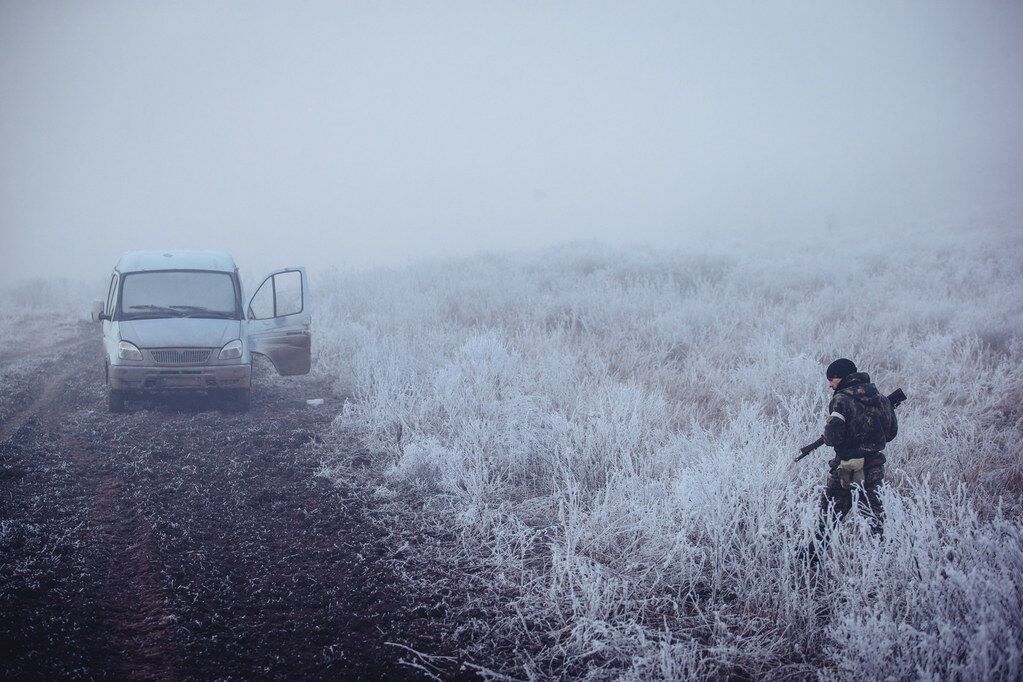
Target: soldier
[(860, 422)]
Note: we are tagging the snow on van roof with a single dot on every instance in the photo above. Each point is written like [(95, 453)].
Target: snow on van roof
[(134, 261)]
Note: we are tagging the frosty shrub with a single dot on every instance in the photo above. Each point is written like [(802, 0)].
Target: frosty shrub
[(40, 306), (609, 433), (52, 296)]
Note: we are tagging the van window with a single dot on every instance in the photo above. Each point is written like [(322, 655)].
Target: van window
[(179, 293), (288, 293), (279, 295), (261, 307)]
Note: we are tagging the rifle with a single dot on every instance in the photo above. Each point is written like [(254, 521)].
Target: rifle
[(896, 398)]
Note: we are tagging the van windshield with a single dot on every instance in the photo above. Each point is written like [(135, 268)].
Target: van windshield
[(179, 293)]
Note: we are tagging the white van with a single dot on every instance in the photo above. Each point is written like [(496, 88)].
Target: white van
[(175, 321)]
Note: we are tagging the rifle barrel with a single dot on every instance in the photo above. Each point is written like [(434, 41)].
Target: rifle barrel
[(807, 449)]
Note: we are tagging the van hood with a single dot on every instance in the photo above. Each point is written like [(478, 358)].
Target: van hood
[(180, 332)]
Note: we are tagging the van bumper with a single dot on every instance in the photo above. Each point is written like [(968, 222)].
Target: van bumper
[(135, 378)]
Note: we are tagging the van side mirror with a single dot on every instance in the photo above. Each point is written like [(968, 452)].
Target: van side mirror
[(96, 312)]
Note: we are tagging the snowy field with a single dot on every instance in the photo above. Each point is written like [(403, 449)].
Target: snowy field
[(608, 436)]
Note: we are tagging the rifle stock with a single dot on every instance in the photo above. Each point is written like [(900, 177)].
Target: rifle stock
[(896, 398)]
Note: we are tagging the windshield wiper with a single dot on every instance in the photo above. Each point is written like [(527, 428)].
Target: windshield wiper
[(157, 308), (203, 311)]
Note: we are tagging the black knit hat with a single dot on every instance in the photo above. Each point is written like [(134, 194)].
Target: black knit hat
[(841, 368)]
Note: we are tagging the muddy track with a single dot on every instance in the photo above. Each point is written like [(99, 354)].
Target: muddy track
[(181, 541)]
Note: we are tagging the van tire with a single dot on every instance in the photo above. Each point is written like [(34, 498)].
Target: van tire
[(238, 399), (115, 401)]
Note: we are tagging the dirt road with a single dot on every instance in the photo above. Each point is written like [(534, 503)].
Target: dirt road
[(180, 541)]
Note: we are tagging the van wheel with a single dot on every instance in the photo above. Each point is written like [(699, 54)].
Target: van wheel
[(237, 399), (115, 400)]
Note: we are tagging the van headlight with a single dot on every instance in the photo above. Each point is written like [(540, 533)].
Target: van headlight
[(231, 350), (128, 351)]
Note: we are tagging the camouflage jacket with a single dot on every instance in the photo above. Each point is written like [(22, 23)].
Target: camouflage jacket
[(860, 420)]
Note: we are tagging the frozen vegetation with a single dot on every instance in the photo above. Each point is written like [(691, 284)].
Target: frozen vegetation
[(609, 435), (41, 306)]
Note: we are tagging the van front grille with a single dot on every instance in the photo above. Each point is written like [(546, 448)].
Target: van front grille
[(181, 356)]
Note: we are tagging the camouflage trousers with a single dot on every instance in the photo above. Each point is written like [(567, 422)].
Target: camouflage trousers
[(838, 500)]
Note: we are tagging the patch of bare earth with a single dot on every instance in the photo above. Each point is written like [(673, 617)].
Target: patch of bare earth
[(183, 541)]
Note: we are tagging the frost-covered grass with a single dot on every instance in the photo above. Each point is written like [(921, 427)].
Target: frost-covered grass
[(33, 312), (609, 434)]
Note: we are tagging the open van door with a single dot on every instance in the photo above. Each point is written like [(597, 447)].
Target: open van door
[(278, 321)]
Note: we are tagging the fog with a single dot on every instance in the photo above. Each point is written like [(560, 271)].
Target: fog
[(359, 134)]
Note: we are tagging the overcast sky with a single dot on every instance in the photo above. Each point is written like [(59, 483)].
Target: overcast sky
[(365, 133)]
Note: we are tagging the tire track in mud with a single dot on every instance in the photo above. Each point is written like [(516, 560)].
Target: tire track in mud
[(51, 390), (179, 542), (126, 565), (22, 386)]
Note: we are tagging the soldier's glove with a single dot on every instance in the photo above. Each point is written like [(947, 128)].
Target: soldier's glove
[(850, 472)]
